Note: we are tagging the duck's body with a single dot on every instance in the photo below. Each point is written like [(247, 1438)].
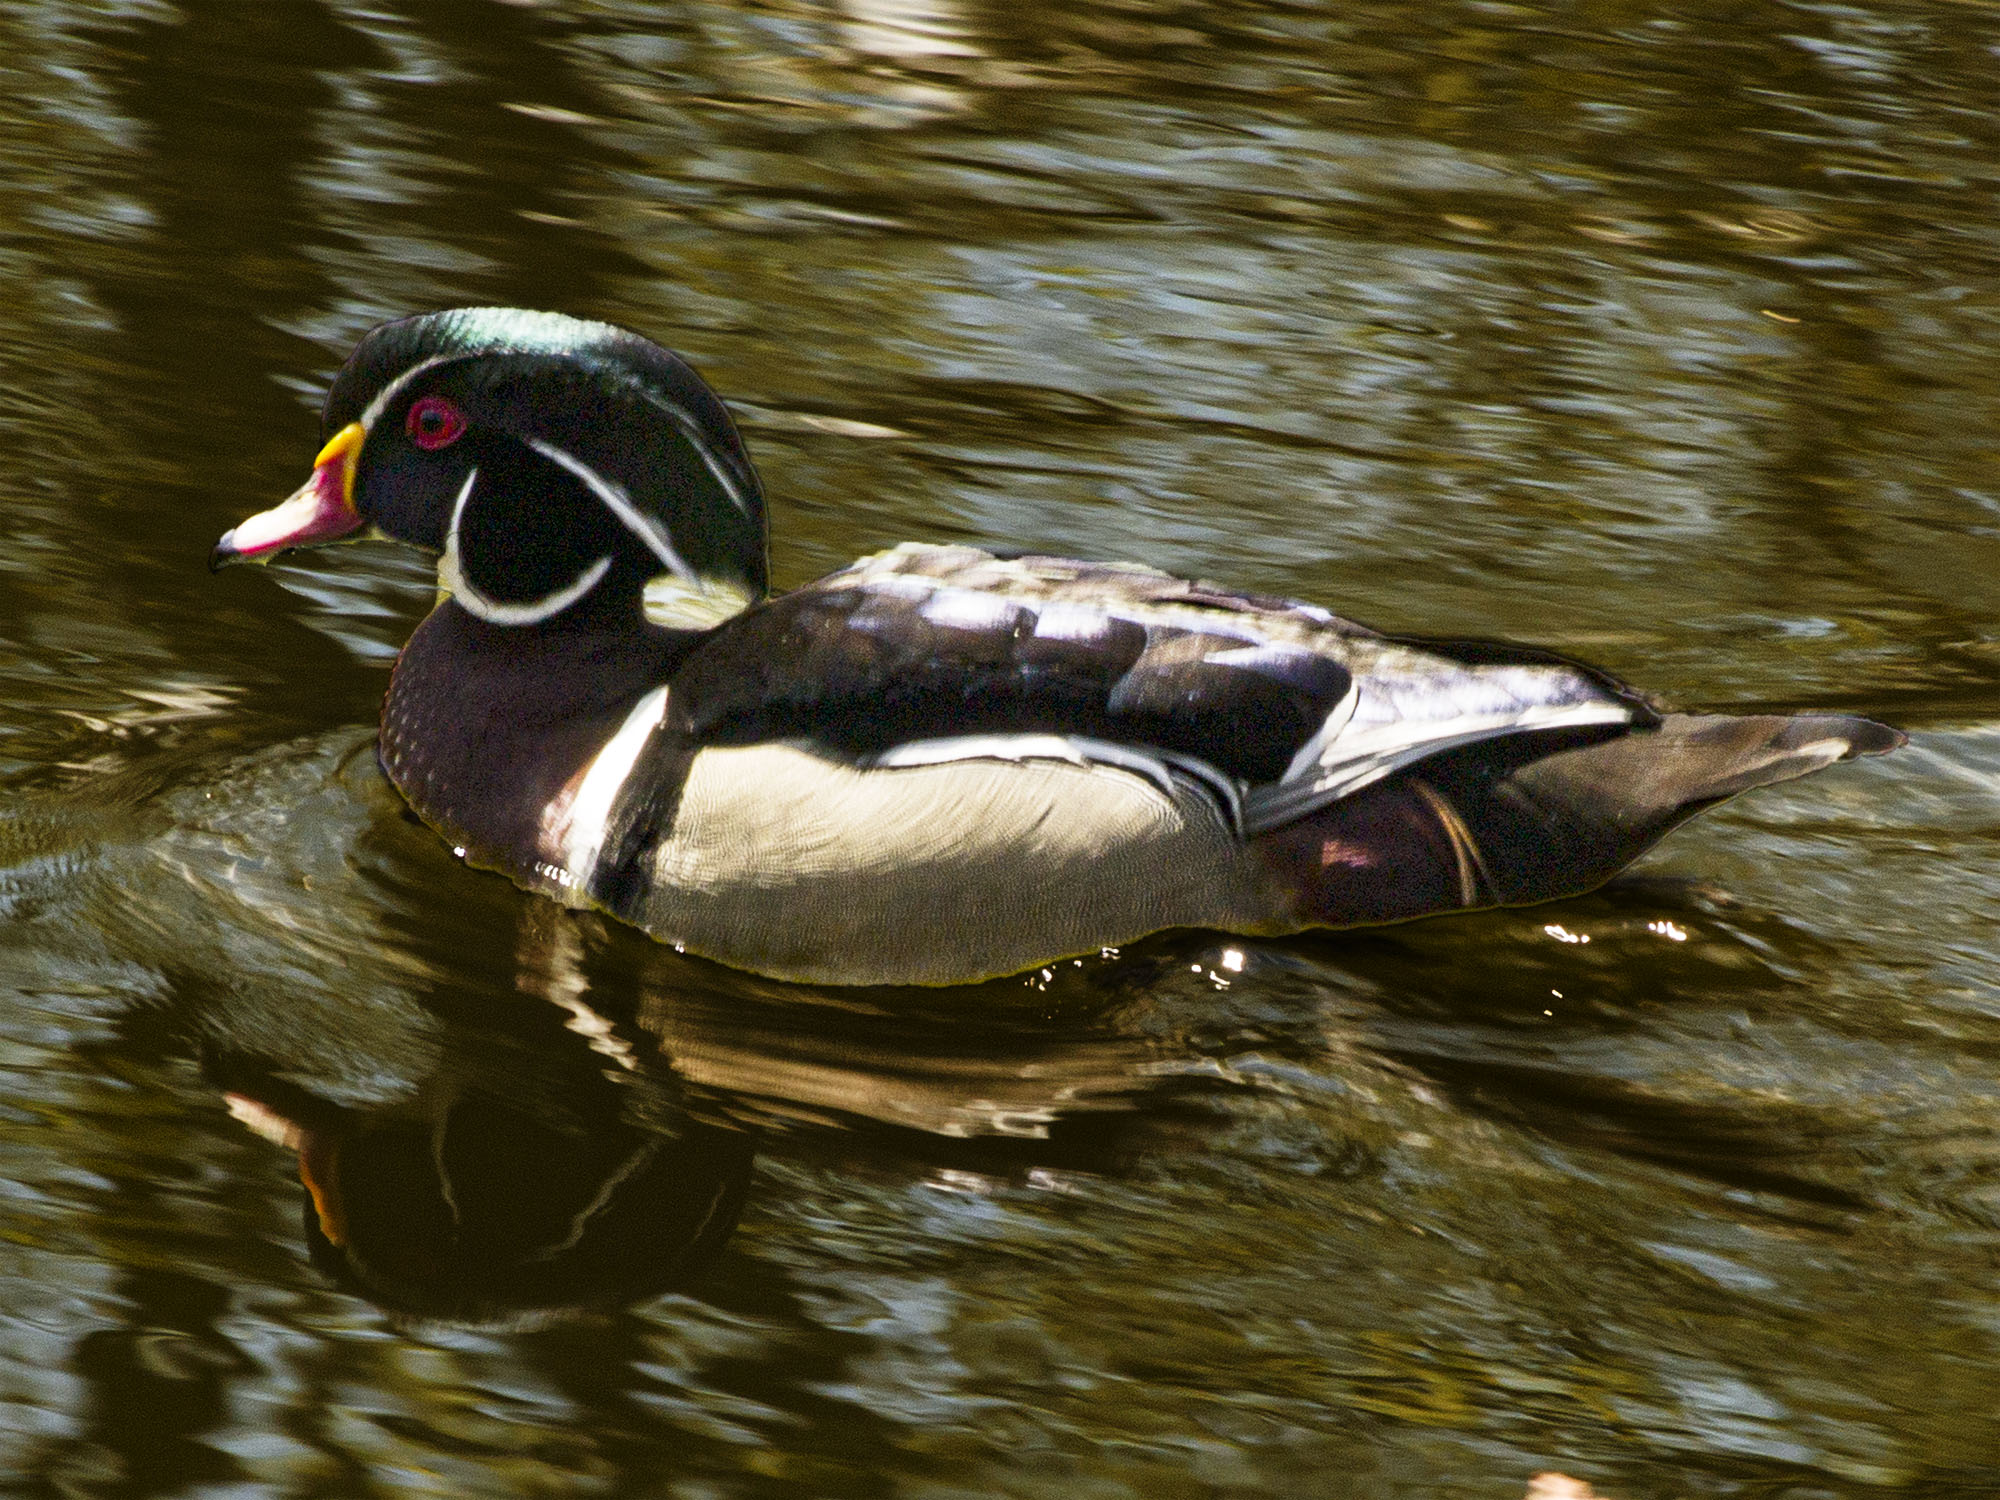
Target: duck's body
[(936, 765)]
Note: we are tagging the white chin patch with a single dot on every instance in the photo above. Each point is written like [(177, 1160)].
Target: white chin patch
[(678, 598)]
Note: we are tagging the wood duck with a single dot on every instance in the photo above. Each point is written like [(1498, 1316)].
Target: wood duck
[(939, 764)]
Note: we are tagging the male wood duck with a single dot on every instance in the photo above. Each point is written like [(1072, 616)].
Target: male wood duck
[(939, 764)]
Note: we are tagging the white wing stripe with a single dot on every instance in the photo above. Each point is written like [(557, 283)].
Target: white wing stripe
[(1155, 766), (1375, 752), (1366, 756), (1313, 749)]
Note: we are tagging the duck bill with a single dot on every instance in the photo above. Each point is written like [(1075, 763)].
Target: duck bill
[(320, 510), (319, 1158)]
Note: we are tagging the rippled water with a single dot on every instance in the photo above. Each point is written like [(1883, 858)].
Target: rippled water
[(1664, 335)]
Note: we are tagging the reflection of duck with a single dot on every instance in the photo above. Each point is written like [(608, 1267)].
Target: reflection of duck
[(539, 1171), (475, 1209), (937, 764), (482, 1163), (489, 1130), (521, 1112)]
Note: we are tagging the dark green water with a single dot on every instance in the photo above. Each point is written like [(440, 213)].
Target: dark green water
[(1665, 335)]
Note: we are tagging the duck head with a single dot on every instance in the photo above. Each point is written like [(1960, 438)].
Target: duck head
[(553, 464)]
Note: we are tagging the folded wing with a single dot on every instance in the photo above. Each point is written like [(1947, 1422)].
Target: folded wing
[(928, 654)]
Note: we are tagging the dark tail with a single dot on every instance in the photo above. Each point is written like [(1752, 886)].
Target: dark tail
[(1515, 821)]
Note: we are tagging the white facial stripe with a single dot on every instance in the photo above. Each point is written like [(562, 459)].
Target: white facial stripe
[(620, 505), (691, 430), (493, 611), (591, 808), (390, 391)]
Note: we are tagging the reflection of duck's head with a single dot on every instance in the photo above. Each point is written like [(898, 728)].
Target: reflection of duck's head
[(485, 1213)]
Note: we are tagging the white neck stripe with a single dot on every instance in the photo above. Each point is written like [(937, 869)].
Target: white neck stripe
[(458, 506), (644, 527), (493, 611)]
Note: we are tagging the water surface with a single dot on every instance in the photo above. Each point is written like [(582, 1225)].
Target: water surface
[(1665, 336)]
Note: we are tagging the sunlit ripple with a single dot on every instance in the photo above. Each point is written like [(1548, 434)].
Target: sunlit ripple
[(1665, 340)]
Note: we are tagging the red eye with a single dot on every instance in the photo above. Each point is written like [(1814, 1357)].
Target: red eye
[(434, 422)]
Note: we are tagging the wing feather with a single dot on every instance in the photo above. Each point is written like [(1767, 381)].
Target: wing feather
[(926, 654)]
